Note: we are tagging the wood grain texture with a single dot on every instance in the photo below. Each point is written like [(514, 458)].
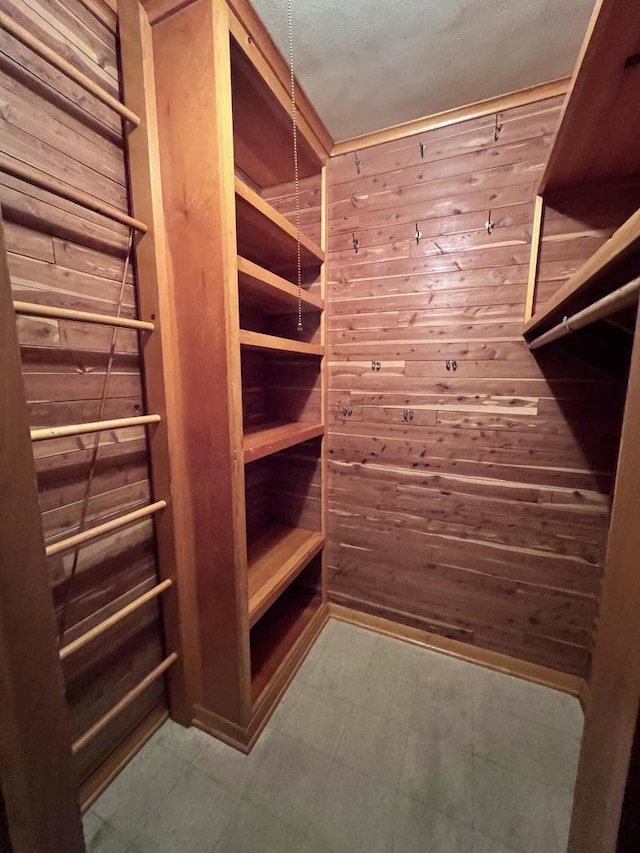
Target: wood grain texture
[(483, 517), (39, 811), (64, 255)]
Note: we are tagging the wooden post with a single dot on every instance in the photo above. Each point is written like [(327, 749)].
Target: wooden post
[(614, 695), (156, 305), (36, 777)]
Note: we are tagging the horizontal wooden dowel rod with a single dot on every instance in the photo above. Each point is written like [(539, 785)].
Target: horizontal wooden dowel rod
[(101, 529), (133, 694), (609, 304), (23, 35), (33, 309), (52, 185), (121, 614), (44, 433)]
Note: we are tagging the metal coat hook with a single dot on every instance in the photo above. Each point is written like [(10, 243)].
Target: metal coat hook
[(422, 150), (376, 365), (347, 411), (358, 162), (451, 364), (497, 128), (418, 235), (355, 242), (489, 224), (408, 415)]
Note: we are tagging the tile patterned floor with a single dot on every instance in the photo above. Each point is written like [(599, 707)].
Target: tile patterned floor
[(378, 746)]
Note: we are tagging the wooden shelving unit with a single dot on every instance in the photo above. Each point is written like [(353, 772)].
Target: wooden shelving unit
[(254, 406), (588, 282), (272, 437), (266, 236)]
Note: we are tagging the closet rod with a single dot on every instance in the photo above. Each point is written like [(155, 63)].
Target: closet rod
[(43, 433), (612, 302), (133, 694), (52, 185), (33, 309), (101, 529), (118, 616), (23, 35)]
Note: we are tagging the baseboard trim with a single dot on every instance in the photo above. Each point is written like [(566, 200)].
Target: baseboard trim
[(112, 766), (534, 672)]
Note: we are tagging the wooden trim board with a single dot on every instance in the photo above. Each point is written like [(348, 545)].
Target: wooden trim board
[(536, 232), (533, 672), (481, 108)]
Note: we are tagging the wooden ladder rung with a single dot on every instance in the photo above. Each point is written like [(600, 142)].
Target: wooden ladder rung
[(101, 529), (23, 35), (112, 620), (133, 694), (33, 309), (44, 433), (52, 185)]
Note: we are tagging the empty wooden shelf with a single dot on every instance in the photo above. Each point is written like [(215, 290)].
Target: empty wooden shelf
[(259, 341), (271, 293), (276, 555), (269, 438), (266, 236)]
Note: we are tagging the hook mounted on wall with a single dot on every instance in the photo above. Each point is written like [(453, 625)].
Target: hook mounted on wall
[(418, 235), (497, 128), (489, 224), (407, 415), (358, 162), (355, 242), (422, 150)]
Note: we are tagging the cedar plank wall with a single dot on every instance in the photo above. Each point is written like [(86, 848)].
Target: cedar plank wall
[(61, 254), (484, 519)]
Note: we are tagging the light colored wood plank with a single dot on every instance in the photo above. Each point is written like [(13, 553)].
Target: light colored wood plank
[(271, 292), (269, 438), (256, 340), (536, 229), (276, 556)]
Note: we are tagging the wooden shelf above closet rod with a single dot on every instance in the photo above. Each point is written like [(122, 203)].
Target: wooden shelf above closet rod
[(624, 297)]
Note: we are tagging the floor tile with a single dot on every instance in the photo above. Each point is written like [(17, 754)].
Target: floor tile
[(287, 783), (192, 818), (509, 741), (560, 754), (139, 790), (183, 742), (374, 745), (444, 710), (512, 809), (317, 718), (100, 838), (561, 808), (341, 668), (229, 766), (390, 680), (353, 813), (417, 829), (254, 830), (437, 773)]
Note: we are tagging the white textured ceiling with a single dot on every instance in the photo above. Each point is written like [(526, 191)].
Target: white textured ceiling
[(369, 64)]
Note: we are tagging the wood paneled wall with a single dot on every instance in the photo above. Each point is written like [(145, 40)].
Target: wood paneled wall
[(61, 254), (483, 518)]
